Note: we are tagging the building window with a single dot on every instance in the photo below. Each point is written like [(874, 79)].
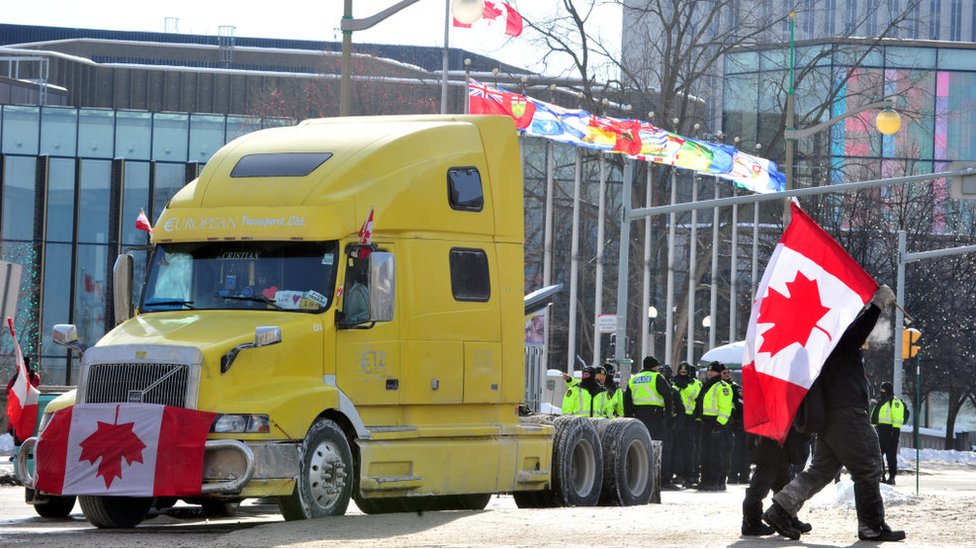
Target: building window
[(464, 190), (469, 275), (830, 18), (935, 11), (955, 23), (850, 17), (894, 10)]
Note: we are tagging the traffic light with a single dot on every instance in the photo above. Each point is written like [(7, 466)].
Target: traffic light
[(909, 343)]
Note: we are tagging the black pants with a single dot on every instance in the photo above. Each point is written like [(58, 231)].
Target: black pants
[(739, 468), (660, 428), (774, 468), (848, 440), (888, 438), (685, 457), (715, 443)]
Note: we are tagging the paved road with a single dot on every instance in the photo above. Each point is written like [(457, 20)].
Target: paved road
[(939, 517)]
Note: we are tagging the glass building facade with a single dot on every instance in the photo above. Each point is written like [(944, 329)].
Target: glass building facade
[(72, 182), (934, 87)]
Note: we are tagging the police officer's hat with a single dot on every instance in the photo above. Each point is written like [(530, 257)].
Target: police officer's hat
[(600, 370), (609, 368), (718, 367), (588, 372), (887, 388)]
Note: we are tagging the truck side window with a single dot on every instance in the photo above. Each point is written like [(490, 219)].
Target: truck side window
[(355, 301), (469, 275), (464, 190)]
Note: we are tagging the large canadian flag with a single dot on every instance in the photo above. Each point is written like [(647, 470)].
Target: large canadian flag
[(810, 293), (22, 395), (123, 450)]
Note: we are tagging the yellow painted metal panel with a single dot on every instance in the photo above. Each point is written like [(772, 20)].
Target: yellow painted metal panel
[(482, 372), (431, 373)]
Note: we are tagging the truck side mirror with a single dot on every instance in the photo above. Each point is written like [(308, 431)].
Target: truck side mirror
[(382, 287), (66, 335), (122, 288)]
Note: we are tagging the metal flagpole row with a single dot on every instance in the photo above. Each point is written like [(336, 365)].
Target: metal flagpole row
[(647, 337), (598, 283), (713, 294), (692, 268), (574, 267), (669, 307)]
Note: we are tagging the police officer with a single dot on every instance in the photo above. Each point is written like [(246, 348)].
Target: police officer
[(739, 450), (648, 398), (588, 397), (889, 414), (714, 408), (613, 390), (686, 428)]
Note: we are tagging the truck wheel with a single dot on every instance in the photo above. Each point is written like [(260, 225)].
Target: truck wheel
[(577, 462), (115, 511), (55, 506), (325, 475), (626, 463), (220, 508)]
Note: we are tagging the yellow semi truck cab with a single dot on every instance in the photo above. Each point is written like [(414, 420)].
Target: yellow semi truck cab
[(347, 295)]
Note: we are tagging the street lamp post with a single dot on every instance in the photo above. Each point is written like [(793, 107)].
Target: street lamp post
[(888, 121), (465, 11)]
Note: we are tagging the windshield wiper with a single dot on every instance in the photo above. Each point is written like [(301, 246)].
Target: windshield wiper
[(252, 298), (163, 302)]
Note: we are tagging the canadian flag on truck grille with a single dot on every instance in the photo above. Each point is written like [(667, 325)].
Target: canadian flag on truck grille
[(123, 450)]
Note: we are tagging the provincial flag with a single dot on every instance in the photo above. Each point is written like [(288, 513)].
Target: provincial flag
[(558, 124), (483, 99), (123, 450), (22, 395), (810, 293), (756, 174), (142, 222)]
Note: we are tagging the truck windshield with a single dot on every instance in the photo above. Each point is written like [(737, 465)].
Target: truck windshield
[(291, 276)]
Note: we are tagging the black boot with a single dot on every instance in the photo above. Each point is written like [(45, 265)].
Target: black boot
[(884, 533), (756, 527), (778, 518), (803, 527)]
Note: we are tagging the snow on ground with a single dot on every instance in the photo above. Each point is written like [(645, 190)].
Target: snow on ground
[(6, 444)]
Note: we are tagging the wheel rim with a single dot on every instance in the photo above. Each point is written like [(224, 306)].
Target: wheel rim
[(584, 467), (637, 467), (326, 475)]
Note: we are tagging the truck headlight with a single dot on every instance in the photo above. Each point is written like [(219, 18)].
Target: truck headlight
[(241, 423)]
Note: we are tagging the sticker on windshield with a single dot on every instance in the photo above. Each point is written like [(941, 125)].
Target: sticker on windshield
[(328, 259)]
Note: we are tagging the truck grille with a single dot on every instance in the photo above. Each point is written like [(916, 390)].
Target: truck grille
[(138, 382)]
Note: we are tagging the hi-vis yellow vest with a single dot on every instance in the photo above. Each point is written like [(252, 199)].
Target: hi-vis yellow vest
[(643, 389), (892, 413), (718, 402), (689, 394)]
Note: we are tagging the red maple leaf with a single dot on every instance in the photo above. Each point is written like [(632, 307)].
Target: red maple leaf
[(111, 443), (793, 318)]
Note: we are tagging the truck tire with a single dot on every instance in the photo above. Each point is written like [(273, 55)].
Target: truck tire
[(325, 475), (55, 506), (115, 511), (577, 462), (627, 459)]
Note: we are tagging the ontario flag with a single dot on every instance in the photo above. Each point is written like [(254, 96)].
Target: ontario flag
[(22, 395), (810, 293), (484, 99), (123, 450)]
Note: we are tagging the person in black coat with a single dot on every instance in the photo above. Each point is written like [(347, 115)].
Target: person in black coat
[(847, 438), (775, 466)]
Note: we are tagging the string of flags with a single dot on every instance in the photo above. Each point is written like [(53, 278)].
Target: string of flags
[(632, 137)]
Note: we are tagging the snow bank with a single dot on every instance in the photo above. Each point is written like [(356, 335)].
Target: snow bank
[(6, 444), (907, 456), (842, 496)]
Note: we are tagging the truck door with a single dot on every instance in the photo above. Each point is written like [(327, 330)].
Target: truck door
[(368, 346)]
